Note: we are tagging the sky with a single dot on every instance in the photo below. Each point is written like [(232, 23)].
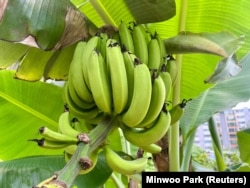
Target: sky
[(243, 104)]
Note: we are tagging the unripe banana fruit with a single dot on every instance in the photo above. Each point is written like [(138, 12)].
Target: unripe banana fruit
[(158, 97), (123, 166), (54, 136), (118, 75), (152, 148), (177, 111), (64, 126), (154, 54), (140, 43), (99, 81), (147, 136), (172, 68), (141, 98), (126, 37)]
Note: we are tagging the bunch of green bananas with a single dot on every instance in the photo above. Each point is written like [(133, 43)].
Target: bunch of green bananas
[(129, 77)]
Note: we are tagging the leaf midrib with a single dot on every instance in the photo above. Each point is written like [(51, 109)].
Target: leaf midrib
[(28, 109)]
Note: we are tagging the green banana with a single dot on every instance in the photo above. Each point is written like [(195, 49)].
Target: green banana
[(167, 81), (163, 50), (123, 166), (75, 77), (64, 126), (103, 41), (141, 97), (49, 144), (76, 110), (172, 68), (129, 59), (158, 97), (118, 76), (140, 44), (152, 148), (99, 82), (55, 136), (146, 32), (93, 43), (76, 98), (149, 135), (126, 37), (154, 54), (177, 111)]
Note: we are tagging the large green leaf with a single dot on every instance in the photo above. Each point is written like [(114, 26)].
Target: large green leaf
[(29, 171), (25, 107), (221, 96), (31, 69), (34, 64), (112, 12), (46, 24), (57, 67), (10, 53)]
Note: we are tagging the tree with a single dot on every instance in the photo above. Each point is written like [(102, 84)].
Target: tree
[(29, 99)]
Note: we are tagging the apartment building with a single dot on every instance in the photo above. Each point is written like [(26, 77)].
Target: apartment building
[(228, 123)]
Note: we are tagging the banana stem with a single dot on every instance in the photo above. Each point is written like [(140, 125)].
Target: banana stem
[(174, 145), (221, 165), (72, 168), (174, 155), (66, 176)]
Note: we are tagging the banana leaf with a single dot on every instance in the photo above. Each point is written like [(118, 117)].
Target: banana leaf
[(221, 96), (29, 171), (26, 106), (46, 24), (112, 12)]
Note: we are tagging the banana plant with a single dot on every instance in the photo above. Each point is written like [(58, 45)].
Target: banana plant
[(181, 25)]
